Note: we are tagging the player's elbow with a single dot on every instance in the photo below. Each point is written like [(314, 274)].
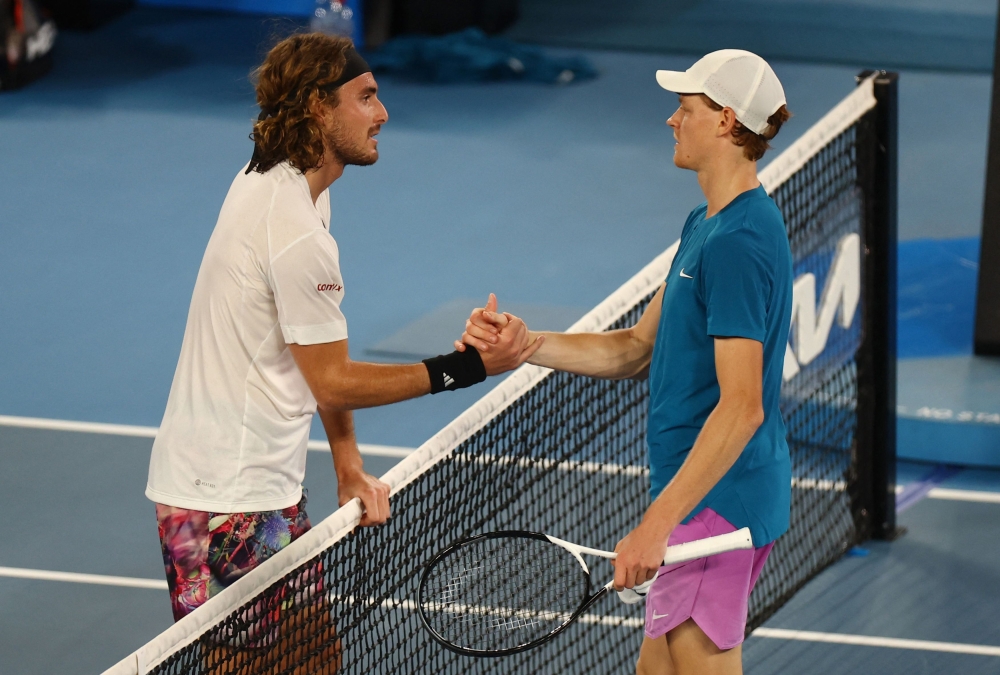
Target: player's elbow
[(642, 374), (637, 370), (744, 412), (327, 370), (333, 401), (752, 416), (640, 356), (333, 394)]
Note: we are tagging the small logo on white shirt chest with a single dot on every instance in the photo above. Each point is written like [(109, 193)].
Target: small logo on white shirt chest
[(329, 287)]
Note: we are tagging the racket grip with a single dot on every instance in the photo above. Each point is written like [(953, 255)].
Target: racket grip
[(702, 548), (630, 596)]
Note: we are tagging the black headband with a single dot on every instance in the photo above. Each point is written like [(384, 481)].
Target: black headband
[(354, 66)]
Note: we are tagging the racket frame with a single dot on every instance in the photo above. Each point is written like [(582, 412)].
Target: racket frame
[(679, 553), (573, 549)]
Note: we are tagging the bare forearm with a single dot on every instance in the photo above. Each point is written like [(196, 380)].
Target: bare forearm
[(339, 427), (723, 437), (352, 481), (613, 355), (357, 384)]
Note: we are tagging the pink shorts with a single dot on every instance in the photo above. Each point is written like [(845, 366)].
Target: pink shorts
[(713, 591), (205, 552)]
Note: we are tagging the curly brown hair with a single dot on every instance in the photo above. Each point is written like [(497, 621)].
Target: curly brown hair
[(292, 84), (754, 145)]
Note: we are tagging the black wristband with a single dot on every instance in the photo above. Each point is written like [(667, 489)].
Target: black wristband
[(456, 370)]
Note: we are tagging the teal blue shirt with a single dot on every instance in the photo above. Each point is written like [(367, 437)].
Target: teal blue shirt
[(731, 277)]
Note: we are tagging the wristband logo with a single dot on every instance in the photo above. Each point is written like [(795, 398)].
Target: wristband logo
[(329, 287)]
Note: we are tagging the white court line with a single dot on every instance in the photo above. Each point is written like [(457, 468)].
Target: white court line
[(150, 432), (983, 496), (366, 449), (411, 606), (74, 577), (869, 641), (400, 452), (565, 465), (80, 427), (773, 633), (965, 495), (818, 484)]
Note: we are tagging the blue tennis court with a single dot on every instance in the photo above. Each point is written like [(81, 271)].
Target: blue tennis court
[(114, 167)]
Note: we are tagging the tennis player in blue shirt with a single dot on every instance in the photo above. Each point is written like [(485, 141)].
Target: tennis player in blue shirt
[(712, 342)]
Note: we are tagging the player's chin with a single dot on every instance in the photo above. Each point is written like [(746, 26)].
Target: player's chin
[(365, 159)]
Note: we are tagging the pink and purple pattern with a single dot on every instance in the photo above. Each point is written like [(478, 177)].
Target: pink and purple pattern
[(204, 552)]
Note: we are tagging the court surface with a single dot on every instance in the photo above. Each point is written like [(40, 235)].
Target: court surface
[(114, 169), (73, 502)]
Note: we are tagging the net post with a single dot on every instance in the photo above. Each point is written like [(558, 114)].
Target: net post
[(987, 331), (875, 500)]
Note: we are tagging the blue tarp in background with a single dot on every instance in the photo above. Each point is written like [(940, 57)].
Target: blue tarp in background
[(937, 296), (473, 56)]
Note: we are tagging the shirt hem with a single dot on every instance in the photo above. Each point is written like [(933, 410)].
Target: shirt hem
[(727, 332), (216, 506)]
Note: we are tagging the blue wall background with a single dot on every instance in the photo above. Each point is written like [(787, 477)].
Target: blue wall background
[(276, 7)]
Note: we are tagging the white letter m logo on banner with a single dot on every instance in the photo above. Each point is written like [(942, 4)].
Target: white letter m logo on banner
[(811, 324)]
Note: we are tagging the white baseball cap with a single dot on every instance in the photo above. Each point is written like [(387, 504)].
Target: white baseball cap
[(735, 79)]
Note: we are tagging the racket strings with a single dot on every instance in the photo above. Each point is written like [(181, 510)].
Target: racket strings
[(502, 593)]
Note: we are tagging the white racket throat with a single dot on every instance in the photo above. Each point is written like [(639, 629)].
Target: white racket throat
[(578, 551), (679, 553)]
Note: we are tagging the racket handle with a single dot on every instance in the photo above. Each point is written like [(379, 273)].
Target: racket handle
[(702, 548)]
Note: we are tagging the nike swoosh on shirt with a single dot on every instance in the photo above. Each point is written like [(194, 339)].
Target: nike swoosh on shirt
[(660, 616), (686, 276)]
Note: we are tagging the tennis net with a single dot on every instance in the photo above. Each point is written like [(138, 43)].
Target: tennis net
[(566, 455)]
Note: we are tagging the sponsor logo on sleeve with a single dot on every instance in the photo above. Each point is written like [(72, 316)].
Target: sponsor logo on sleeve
[(329, 287)]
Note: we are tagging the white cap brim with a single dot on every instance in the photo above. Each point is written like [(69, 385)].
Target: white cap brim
[(679, 82)]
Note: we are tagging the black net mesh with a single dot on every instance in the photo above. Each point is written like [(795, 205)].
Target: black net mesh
[(567, 458), (823, 205), (500, 593)]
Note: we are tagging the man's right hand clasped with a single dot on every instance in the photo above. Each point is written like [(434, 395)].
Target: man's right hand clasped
[(503, 340)]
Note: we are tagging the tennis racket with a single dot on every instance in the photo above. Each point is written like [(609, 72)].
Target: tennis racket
[(501, 593)]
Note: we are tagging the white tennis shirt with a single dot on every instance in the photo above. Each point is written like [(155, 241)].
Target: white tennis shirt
[(235, 430)]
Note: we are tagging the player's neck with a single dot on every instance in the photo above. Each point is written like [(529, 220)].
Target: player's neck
[(321, 178), (725, 180)]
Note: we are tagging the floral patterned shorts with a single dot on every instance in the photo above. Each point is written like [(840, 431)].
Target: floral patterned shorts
[(204, 552)]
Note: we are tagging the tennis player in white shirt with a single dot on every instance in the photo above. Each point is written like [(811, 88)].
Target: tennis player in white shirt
[(266, 342)]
